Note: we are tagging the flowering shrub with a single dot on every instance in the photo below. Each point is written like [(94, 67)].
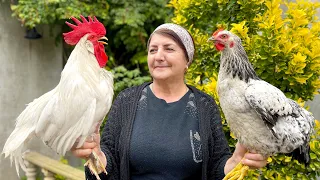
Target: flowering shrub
[(282, 40)]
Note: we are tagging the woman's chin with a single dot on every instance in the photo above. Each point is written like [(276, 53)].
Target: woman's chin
[(160, 76)]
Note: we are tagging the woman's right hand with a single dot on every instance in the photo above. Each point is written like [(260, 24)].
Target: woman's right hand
[(91, 144)]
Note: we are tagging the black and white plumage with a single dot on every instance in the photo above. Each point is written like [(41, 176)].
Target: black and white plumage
[(261, 117)]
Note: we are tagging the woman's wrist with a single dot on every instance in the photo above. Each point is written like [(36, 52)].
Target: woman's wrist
[(103, 158), (231, 163)]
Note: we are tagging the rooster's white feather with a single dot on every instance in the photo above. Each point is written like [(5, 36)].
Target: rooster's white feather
[(69, 112)]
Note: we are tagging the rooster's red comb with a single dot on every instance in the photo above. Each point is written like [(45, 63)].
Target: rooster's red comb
[(82, 28), (217, 31)]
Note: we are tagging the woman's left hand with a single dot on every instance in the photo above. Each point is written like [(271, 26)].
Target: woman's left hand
[(241, 154)]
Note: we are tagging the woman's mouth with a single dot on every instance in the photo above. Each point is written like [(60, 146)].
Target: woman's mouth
[(160, 67)]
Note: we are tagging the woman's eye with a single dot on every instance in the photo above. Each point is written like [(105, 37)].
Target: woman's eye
[(170, 49), (152, 50)]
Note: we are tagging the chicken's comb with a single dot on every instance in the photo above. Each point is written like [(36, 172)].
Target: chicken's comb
[(217, 31), (82, 28)]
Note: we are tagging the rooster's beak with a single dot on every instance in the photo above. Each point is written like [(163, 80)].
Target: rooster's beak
[(211, 39), (103, 38)]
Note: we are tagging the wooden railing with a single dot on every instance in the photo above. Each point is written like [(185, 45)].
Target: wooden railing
[(49, 167)]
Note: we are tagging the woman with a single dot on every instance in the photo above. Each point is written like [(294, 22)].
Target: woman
[(166, 129)]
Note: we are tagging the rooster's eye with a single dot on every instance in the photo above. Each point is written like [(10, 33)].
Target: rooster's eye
[(91, 37)]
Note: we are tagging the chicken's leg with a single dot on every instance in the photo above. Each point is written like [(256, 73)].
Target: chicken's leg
[(95, 165), (238, 173)]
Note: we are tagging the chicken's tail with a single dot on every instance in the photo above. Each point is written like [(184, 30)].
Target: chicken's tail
[(25, 129), (302, 154), (15, 145)]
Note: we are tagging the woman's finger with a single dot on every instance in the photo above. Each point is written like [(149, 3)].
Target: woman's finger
[(81, 153), (256, 162), (254, 156), (89, 145), (86, 145)]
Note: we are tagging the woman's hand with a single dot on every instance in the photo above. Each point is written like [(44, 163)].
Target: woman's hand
[(251, 159), (91, 144)]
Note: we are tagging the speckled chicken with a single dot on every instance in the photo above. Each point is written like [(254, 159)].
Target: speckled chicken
[(261, 117)]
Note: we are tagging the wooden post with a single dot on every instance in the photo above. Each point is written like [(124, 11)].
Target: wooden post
[(50, 167), (47, 174), (31, 171)]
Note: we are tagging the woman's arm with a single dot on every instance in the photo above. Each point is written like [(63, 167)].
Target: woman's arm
[(219, 151)]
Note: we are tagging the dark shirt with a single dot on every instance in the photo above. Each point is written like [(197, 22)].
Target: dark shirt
[(165, 141), (116, 136)]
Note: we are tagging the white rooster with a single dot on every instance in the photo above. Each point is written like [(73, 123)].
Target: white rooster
[(259, 114), (73, 110)]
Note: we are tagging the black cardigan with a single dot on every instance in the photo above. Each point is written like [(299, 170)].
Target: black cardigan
[(115, 138)]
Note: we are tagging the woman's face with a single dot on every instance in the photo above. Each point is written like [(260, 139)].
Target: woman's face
[(166, 60)]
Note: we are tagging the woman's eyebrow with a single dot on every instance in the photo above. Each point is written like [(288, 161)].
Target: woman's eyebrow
[(165, 45), (169, 44)]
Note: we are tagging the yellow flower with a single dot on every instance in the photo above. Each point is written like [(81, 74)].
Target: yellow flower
[(315, 27), (302, 79), (315, 50), (296, 65), (222, 2), (271, 19), (317, 124), (242, 31), (316, 84), (179, 19), (298, 59), (301, 102), (288, 46)]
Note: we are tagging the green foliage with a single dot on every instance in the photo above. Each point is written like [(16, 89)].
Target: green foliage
[(25, 178), (283, 46), (31, 13), (128, 23), (126, 78)]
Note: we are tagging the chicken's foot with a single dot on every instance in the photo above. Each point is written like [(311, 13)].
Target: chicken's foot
[(95, 165), (238, 173)]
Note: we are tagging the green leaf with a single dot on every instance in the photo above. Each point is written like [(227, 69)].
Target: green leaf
[(313, 156)]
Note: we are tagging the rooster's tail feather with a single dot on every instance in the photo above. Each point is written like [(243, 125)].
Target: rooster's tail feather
[(25, 128), (15, 145)]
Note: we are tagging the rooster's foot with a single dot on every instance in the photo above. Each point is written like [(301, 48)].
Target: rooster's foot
[(95, 165)]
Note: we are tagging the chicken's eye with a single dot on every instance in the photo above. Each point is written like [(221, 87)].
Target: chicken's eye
[(224, 36)]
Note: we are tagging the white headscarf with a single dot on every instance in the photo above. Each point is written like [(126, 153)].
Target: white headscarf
[(184, 36)]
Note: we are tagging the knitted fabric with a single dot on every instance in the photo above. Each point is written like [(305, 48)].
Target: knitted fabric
[(115, 139)]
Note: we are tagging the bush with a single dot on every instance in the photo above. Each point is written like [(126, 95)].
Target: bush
[(282, 42)]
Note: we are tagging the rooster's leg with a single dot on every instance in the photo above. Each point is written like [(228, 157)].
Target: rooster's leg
[(95, 165), (238, 173)]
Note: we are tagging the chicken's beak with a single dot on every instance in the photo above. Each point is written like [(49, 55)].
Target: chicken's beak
[(103, 42), (211, 39)]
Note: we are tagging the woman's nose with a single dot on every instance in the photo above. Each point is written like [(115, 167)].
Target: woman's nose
[(159, 56)]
